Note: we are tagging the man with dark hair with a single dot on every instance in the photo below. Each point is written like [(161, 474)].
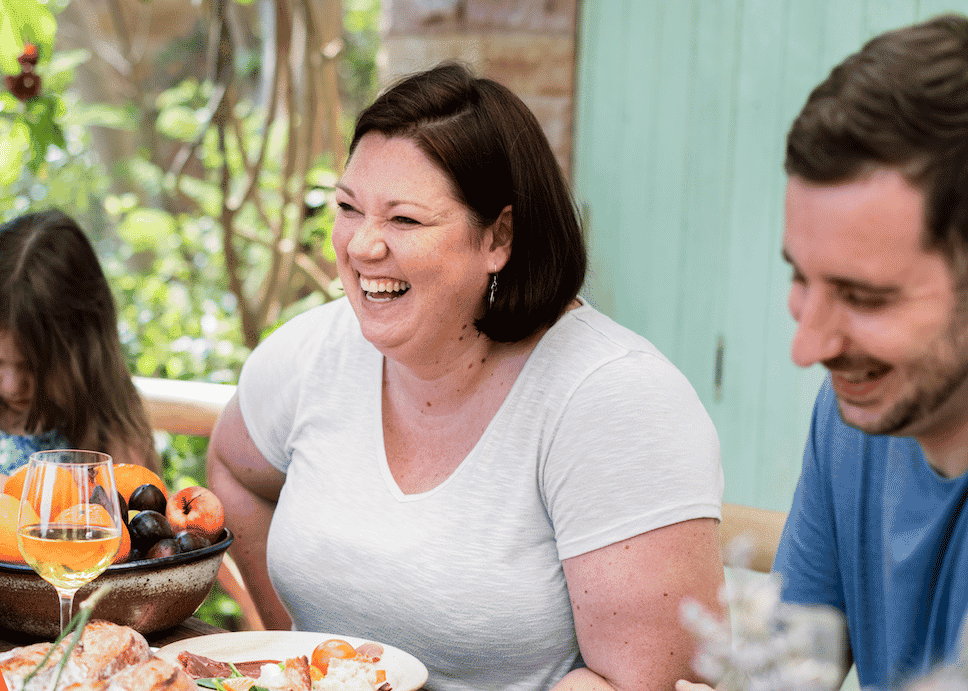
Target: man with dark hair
[(876, 233), (877, 237)]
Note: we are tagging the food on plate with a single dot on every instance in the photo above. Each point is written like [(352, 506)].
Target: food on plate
[(108, 658), (335, 666), (196, 509)]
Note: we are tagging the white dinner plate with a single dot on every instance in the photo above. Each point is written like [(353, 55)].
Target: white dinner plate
[(404, 671)]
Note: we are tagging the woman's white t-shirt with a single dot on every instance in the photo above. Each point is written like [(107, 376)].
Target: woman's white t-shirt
[(600, 439)]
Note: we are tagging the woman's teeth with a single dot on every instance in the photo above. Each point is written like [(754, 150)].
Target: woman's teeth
[(383, 290)]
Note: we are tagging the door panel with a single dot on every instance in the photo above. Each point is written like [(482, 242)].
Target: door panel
[(682, 111)]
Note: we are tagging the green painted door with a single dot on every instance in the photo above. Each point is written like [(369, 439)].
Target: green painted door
[(682, 109)]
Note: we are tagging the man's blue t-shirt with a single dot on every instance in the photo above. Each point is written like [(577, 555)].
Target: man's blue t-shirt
[(877, 533)]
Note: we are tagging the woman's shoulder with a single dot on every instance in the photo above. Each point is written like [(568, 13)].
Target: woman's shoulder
[(320, 339), (329, 323), (585, 334)]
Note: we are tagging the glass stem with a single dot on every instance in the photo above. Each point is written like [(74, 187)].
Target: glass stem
[(66, 605)]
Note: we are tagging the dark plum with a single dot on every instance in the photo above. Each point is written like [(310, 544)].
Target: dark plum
[(163, 548), (147, 498), (147, 528), (189, 540)]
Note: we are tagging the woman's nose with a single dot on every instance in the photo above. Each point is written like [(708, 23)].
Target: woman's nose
[(368, 242), (820, 335)]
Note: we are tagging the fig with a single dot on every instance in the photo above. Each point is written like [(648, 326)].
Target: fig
[(166, 547), (124, 508), (189, 540), (99, 496), (147, 528), (147, 497)]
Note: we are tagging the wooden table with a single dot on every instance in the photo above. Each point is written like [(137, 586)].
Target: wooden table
[(189, 628)]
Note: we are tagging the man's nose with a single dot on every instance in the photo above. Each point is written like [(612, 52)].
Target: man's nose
[(820, 330)]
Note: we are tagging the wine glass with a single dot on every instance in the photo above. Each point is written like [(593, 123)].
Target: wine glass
[(69, 524)]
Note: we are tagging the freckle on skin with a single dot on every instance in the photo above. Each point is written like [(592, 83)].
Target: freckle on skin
[(428, 404)]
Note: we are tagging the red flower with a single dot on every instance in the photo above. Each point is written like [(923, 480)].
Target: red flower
[(28, 59), (24, 86)]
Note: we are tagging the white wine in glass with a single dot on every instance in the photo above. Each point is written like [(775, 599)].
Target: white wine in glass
[(69, 525)]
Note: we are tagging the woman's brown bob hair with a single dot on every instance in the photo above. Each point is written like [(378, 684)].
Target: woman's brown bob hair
[(57, 305), (492, 149)]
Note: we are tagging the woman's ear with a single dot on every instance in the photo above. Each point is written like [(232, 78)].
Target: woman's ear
[(501, 235)]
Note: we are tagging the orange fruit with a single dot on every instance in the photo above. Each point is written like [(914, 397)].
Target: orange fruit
[(65, 492), (130, 476), (95, 514), (9, 509), (15, 483)]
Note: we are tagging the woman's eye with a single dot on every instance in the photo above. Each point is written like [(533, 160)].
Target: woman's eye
[(405, 221), (345, 207)]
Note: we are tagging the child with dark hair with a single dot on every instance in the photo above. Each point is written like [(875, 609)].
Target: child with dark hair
[(63, 380)]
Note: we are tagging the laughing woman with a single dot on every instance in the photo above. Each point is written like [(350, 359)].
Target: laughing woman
[(462, 458)]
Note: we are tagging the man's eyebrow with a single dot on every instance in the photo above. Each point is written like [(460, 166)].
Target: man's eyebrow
[(844, 282)]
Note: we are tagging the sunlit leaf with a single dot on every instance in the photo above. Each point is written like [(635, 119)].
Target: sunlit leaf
[(206, 195), (146, 229), (59, 74), (105, 115), (181, 94), (179, 122), (13, 145)]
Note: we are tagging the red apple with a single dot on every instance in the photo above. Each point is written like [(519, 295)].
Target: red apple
[(196, 509)]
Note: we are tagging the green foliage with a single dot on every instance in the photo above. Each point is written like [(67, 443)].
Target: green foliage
[(23, 21), (158, 234)]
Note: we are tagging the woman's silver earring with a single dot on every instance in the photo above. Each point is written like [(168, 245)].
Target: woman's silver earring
[(490, 297)]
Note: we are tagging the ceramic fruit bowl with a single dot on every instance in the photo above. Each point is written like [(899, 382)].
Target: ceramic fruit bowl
[(147, 595)]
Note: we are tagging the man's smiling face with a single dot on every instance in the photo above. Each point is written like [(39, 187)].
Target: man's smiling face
[(875, 307)]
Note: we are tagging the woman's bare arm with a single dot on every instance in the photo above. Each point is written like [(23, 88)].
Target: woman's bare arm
[(249, 487), (626, 601)]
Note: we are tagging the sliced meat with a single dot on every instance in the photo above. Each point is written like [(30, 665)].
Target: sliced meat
[(297, 674), (374, 651), (153, 675), (201, 667)]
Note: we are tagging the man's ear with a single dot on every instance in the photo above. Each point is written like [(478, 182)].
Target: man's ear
[(502, 234)]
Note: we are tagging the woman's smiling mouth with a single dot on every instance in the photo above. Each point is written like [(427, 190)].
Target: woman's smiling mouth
[(384, 289)]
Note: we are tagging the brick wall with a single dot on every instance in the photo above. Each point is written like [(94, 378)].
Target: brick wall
[(527, 45)]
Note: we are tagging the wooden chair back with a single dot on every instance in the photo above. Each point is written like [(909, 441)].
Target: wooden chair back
[(762, 526), (186, 407)]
